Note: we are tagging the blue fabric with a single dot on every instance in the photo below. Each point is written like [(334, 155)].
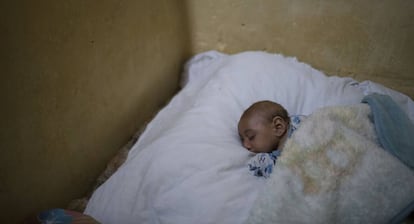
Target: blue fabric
[(54, 216), (402, 215), (394, 128), (395, 133), (261, 164)]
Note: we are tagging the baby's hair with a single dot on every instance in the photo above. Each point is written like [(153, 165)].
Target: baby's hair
[(268, 110)]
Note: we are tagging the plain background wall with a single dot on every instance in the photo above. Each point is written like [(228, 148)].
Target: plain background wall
[(364, 39), (79, 77), (77, 80)]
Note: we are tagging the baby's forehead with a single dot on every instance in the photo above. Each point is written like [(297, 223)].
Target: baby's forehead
[(262, 109), (248, 117), (257, 111)]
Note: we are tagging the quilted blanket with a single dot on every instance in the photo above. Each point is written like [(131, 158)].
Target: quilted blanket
[(333, 170)]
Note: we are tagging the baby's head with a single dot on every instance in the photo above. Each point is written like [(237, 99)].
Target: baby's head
[(263, 126)]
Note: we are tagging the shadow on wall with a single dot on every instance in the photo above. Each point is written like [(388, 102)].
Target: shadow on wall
[(79, 78)]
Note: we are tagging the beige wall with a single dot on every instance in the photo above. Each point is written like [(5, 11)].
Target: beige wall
[(366, 39), (77, 79)]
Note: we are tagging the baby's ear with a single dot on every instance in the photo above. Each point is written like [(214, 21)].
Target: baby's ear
[(279, 125)]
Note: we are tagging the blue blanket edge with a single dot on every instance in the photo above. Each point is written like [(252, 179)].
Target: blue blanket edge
[(395, 133)]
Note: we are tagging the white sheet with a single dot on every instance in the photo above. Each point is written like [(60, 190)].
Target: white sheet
[(189, 166)]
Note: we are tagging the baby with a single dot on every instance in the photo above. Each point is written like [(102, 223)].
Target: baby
[(263, 129)]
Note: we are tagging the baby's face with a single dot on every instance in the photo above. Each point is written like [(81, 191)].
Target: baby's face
[(257, 134)]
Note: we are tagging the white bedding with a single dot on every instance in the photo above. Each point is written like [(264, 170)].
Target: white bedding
[(189, 166), (332, 170)]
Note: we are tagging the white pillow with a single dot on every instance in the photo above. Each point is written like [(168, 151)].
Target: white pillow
[(254, 76)]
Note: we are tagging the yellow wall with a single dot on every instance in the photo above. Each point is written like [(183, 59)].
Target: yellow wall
[(365, 39), (77, 79)]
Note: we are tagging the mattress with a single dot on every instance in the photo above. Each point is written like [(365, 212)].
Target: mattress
[(188, 166)]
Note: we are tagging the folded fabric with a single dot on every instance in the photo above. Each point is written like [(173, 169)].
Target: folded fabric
[(394, 128)]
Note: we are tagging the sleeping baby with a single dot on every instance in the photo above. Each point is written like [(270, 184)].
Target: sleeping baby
[(263, 129)]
